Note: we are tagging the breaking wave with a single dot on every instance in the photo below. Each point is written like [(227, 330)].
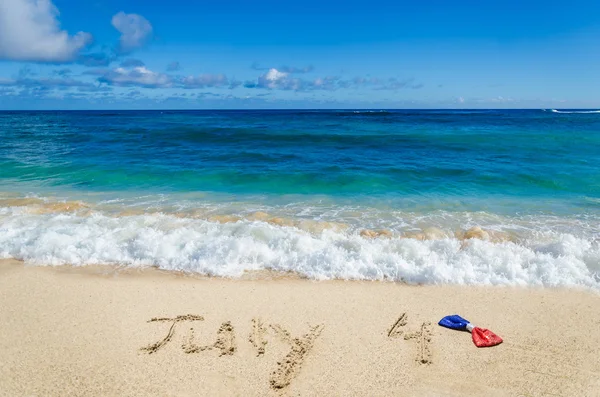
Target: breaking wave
[(521, 252), (575, 111)]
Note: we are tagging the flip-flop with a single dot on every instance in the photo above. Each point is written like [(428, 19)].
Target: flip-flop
[(481, 337)]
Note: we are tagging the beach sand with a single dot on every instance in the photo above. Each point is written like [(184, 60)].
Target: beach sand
[(86, 332)]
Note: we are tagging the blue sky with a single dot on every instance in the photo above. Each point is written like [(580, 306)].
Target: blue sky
[(100, 54)]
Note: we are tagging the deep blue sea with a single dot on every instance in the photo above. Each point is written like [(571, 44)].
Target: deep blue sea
[(423, 196)]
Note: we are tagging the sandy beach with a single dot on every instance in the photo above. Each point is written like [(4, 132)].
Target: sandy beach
[(101, 331)]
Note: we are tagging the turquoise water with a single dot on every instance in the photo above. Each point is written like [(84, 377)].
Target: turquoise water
[(530, 176)]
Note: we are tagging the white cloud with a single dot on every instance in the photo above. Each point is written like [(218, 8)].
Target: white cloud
[(135, 77), (272, 78), (135, 31), (275, 79), (30, 31), (140, 76)]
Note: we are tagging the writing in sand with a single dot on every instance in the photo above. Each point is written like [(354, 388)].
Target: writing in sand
[(299, 347)]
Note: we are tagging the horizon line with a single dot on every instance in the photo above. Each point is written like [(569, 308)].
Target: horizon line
[(282, 109)]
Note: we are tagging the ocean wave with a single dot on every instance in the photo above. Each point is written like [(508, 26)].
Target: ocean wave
[(229, 246), (575, 111)]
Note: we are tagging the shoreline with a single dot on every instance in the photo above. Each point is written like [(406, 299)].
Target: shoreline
[(361, 243), (68, 331), (111, 271), (114, 270)]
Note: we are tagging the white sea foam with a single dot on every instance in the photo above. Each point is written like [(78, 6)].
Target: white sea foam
[(574, 111), (546, 257)]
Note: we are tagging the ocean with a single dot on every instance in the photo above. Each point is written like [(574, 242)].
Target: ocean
[(482, 197)]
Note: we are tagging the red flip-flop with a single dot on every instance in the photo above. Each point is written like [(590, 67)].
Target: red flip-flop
[(485, 338)]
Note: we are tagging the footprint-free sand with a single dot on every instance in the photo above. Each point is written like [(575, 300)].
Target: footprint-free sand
[(101, 331)]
